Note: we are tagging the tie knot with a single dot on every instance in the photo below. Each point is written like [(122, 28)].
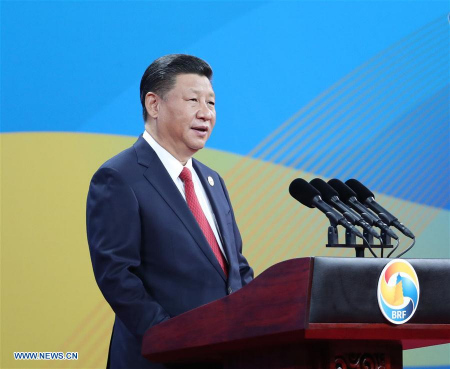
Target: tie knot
[(186, 175)]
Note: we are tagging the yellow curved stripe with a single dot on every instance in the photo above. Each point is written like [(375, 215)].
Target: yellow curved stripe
[(391, 293)]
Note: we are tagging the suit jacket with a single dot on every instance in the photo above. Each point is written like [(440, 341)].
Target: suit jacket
[(149, 255)]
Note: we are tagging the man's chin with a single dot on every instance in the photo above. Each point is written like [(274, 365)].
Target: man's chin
[(197, 146), (193, 152)]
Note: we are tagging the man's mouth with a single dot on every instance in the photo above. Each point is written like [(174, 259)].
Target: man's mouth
[(201, 128)]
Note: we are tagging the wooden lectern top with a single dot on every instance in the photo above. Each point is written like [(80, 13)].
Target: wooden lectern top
[(298, 301)]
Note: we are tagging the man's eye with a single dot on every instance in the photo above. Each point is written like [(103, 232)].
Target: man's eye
[(211, 103), (193, 100)]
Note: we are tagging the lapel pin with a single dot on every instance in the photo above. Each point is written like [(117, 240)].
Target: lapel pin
[(211, 180)]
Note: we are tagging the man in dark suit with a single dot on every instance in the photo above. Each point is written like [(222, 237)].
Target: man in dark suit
[(161, 229)]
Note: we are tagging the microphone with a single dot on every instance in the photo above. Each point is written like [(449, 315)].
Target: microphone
[(349, 197), (303, 192), (331, 197), (368, 198)]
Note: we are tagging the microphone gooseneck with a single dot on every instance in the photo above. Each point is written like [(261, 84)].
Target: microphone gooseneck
[(349, 197), (366, 196), (309, 196), (330, 196)]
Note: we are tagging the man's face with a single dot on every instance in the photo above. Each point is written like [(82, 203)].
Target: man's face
[(186, 116)]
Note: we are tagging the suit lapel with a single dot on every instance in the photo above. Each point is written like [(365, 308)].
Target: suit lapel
[(220, 208), (160, 179)]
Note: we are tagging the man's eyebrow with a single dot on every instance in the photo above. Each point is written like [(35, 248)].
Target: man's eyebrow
[(198, 91)]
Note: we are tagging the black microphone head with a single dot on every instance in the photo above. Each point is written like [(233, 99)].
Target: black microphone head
[(362, 192), (325, 189), (302, 191), (344, 191)]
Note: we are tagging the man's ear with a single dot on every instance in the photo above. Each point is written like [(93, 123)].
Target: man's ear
[(152, 104)]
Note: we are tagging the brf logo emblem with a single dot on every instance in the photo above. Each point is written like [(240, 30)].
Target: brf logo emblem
[(398, 291)]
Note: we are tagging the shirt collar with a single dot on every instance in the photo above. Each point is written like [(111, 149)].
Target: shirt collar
[(172, 165)]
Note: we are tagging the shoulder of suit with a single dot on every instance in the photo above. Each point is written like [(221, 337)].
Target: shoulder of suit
[(121, 161)]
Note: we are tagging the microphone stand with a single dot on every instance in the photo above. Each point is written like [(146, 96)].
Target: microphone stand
[(350, 239), (369, 238), (333, 238), (386, 240)]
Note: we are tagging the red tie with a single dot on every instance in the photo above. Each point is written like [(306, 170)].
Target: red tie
[(194, 205)]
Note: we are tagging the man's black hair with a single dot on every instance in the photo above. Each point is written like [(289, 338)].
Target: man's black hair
[(160, 76)]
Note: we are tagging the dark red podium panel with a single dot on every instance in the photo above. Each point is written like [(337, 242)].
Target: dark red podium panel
[(307, 313)]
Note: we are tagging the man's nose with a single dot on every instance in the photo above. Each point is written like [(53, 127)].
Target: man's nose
[(205, 111)]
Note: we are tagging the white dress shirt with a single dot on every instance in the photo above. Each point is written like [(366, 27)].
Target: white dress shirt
[(174, 168)]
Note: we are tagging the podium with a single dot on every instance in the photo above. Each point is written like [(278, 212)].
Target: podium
[(308, 313)]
